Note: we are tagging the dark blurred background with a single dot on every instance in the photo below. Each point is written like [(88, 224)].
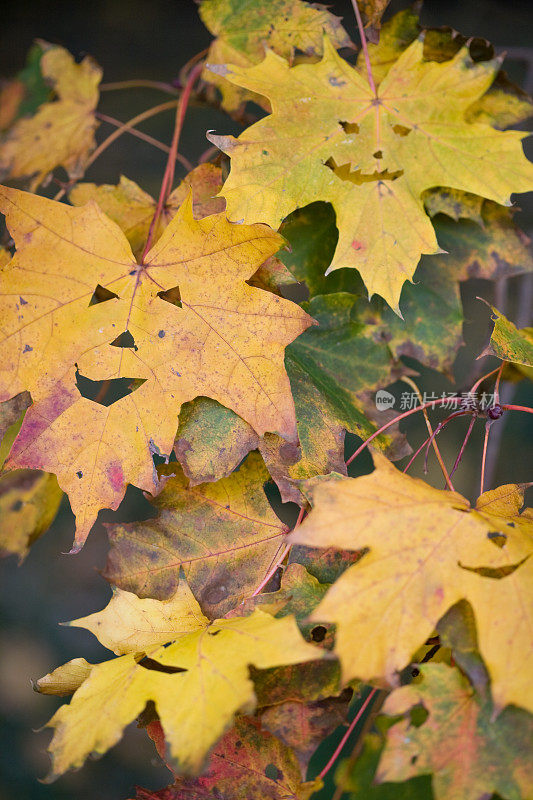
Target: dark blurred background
[(140, 39)]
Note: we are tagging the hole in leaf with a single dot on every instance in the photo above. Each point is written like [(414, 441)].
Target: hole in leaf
[(401, 130), (101, 294), (125, 339), (318, 634), (172, 296), (498, 538), (105, 393), (150, 663), (349, 127), (342, 171)]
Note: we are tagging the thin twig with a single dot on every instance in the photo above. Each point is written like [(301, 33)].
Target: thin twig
[(484, 377), (364, 46), (168, 176), (488, 426), (279, 560), (139, 134), (206, 155), (346, 736), (497, 384), (436, 432), (424, 443), (510, 407), (139, 84), (467, 437), (449, 484), (125, 127), (180, 117), (367, 724), (429, 404)]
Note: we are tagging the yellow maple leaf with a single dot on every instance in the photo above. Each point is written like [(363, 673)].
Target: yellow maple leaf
[(371, 155), (61, 133), (183, 324), (244, 29), (419, 539), (133, 209), (201, 683)]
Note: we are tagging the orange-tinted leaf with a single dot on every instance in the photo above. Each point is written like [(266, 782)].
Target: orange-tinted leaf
[(470, 755), (181, 325), (247, 763)]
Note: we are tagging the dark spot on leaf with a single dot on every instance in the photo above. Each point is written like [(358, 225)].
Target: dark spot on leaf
[(23, 302), (214, 633), (401, 130), (335, 81), (378, 154), (27, 349), (101, 295), (418, 715), (79, 473), (273, 773), (414, 759), (17, 505)]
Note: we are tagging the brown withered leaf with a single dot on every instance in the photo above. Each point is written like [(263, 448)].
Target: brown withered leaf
[(224, 535)]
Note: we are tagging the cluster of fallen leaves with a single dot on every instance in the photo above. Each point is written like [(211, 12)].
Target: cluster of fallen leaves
[(186, 372)]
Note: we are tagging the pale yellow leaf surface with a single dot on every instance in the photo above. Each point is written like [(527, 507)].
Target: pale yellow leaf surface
[(133, 209), (65, 679), (419, 538), (505, 633), (224, 339), (330, 138), (196, 703), (61, 133), (131, 625), (502, 510)]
